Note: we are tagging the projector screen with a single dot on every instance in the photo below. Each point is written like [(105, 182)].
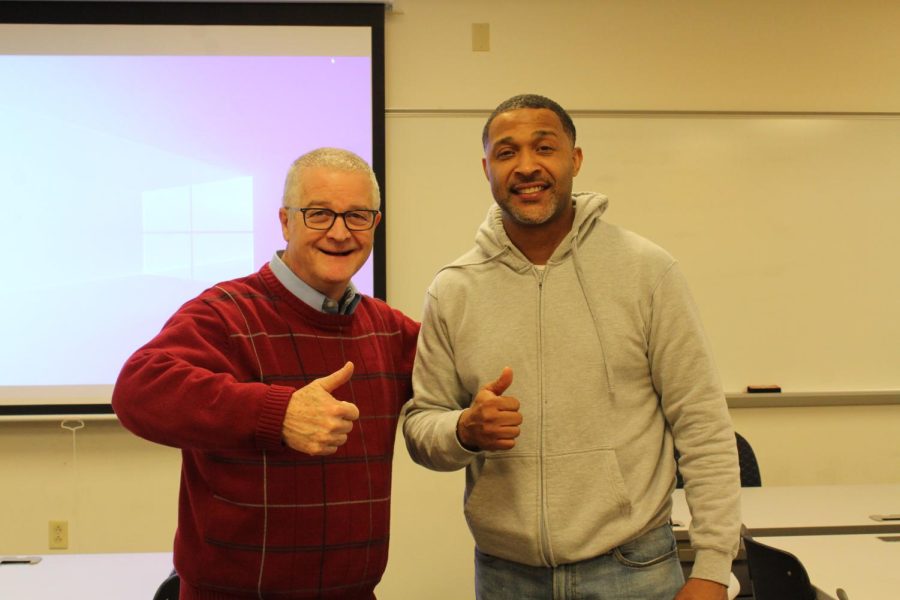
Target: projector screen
[(143, 161)]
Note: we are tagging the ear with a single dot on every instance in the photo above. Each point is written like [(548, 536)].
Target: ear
[(377, 221), (484, 167), (283, 217), (577, 157)]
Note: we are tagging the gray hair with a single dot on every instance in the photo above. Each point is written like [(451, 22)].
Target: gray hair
[(330, 158), (530, 101)]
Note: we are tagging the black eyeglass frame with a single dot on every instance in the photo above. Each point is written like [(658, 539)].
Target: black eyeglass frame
[(335, 215)]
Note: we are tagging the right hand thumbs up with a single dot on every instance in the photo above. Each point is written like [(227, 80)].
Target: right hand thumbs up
[(316, 422), (329, 383), (499, 385), (492, 420)]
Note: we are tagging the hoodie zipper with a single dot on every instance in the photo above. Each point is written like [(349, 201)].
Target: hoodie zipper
[(546, 552)]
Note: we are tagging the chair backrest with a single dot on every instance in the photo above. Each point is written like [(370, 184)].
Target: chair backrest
[(776, 574), (750, 476), (169, 589)]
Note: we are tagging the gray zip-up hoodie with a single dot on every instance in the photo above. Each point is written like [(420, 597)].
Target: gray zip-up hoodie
[(609, 362)]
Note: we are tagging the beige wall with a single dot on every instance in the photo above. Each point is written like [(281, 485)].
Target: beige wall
[(804, 55), (119, 493)]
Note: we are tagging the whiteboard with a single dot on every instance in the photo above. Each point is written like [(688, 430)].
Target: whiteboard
[(784, 226)]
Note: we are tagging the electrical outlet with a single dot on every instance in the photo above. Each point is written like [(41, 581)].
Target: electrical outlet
[(59, 535)]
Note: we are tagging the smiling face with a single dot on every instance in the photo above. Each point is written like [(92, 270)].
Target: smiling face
[(530, 162), (326, 260)]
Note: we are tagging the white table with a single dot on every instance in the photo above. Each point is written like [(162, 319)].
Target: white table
[(864, 566), (809, 510), (86, 576)]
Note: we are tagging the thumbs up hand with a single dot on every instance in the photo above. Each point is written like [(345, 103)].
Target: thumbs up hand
[(492, 420), (315, 422)]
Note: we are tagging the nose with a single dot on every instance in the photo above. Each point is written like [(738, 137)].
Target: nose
[(338, 231), (527, 165)]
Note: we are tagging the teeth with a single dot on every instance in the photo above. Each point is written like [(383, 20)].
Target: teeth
[(531, 190)]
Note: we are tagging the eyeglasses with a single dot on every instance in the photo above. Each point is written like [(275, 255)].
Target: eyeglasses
[(323, 218)]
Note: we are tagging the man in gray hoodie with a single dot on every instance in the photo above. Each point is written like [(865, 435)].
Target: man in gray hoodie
[(559, 361)]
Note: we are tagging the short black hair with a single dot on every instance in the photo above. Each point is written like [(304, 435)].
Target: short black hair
[(530, 101)]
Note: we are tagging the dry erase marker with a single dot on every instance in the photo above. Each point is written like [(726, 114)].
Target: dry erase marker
[(19, 560)]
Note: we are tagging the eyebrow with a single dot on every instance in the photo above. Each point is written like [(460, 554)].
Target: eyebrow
[(544, 133), (326, 204), (540, 133)]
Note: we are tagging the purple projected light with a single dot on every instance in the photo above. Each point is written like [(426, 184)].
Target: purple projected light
[(132, 183)]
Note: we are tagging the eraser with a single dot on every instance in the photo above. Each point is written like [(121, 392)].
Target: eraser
[(763, 389)]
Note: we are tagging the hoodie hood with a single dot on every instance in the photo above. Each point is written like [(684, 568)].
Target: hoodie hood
[(492, 241)]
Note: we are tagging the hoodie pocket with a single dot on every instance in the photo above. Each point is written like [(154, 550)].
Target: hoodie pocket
[(585, 495), (501, 508)]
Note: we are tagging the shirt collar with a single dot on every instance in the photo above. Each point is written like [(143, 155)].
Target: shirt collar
[(311, 296)]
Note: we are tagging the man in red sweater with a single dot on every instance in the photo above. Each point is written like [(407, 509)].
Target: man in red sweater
[(283, 390)]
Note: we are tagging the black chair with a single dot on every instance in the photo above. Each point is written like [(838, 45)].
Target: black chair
[(750, 476), (776, 574), (169, 589)]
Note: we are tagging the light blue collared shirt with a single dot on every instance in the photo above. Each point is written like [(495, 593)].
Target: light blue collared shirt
[(311, 296)]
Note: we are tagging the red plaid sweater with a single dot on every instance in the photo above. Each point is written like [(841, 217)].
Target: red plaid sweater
[(257, 519)]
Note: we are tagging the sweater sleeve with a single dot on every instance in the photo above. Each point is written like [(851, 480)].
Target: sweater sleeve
[(686, 378), (430, 418), (187, 389)]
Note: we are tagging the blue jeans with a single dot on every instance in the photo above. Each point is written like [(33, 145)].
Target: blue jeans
[(646, 568)]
